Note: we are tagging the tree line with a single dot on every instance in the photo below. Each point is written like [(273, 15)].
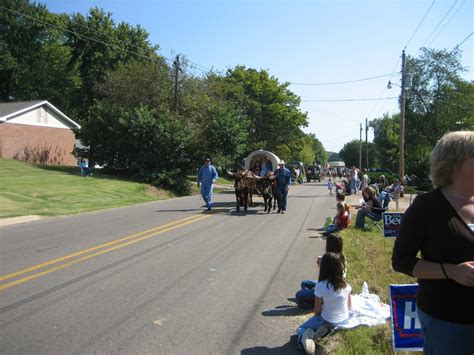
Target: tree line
[(438, 101), (138, 117), (146, 116)]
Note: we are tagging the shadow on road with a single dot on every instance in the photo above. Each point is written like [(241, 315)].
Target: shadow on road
[(288, 348), (284, 310)]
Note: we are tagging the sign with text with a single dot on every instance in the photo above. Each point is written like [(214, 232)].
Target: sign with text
[(391, 224), (406, 328)]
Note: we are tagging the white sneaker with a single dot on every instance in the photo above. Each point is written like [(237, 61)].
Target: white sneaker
[(308, 342)]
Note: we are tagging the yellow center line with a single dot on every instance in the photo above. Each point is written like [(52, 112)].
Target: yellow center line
[(90, 256), (66, 257)]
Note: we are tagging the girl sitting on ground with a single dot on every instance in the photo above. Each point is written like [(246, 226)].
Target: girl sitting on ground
[(305, 296), (341, 220), (332, 301)]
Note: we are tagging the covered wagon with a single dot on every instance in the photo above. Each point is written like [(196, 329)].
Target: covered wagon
[(261, 158)]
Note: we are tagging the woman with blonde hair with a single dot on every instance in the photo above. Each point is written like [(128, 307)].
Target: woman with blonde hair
[(436, 245)]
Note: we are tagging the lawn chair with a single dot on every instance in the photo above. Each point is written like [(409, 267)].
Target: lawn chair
[(376, 218), (395, 196)]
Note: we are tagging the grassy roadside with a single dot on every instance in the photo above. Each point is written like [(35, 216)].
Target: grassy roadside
[(27, 189), (369, 259)]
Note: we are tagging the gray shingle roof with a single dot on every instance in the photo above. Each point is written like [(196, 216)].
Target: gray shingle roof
[(10, 109), (7, 108)]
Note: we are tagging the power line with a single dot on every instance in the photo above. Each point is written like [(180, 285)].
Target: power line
[(447, 22), (417, 27), (80, 35), (342, 100), (77, 34), (470, 108), (464, 40), (344, 82), (439, 23)]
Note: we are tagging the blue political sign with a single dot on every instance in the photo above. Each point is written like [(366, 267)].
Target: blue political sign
[(406, 328), (391, 224)]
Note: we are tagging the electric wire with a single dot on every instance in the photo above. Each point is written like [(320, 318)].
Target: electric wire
[(469, 108), (447, 22), (344, 82), (80, 35), (464, 40), (77, 34), (417, 27), (439, 23), (345, 100)]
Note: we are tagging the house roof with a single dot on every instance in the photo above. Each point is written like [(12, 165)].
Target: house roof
[(9, 110)]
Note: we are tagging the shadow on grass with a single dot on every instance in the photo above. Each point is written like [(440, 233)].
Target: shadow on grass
[(76, 171)]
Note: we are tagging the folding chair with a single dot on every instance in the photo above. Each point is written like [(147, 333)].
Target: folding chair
[(376, 218)]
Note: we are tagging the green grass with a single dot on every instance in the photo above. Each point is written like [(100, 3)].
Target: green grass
[(368, 256), (27, 189)]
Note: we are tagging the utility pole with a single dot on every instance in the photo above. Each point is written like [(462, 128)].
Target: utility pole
[(366, 145), (360, 147), (176, 86), (402, 121)]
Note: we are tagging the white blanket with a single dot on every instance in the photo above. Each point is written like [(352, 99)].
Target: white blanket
[(366, 310)]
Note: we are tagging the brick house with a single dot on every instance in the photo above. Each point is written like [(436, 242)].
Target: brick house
[(37, 132)]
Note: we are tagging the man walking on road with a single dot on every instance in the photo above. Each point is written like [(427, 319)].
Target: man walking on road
[(207, 176), (283, 181)]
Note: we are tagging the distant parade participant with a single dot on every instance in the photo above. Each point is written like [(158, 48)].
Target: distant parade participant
[(283, 181), (207, 176)]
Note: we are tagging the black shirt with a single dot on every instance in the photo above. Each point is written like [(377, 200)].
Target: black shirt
[(432, 226)]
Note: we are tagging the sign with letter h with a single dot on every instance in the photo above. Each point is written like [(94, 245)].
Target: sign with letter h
[(406, 329)]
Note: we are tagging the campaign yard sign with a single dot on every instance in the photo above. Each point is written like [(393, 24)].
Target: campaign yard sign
[(391, 224), (406, 328)]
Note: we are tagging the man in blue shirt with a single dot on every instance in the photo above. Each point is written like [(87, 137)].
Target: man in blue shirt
[(207, 176), (283, 181)]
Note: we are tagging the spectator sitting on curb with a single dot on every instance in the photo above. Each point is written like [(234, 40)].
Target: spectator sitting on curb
[(305, 296), (340, 221)]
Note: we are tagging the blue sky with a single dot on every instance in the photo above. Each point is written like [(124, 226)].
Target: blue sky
[(304, 41)]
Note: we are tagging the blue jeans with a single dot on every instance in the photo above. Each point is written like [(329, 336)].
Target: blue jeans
[(282, 195), (362, 213), (443, 337), (206, 193), (305, 296), (314, 323), (332, 228)]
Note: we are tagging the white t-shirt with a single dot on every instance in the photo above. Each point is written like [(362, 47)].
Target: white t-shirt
[(335, 308)]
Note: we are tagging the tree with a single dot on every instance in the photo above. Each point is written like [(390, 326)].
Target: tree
[(320, 154), (98, 46), (439, 101), (386, 139), (217, 127), (271, 108), (34, 60), (351, 151)]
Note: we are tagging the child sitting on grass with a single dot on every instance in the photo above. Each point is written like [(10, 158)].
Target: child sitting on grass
[(332, 301), (305, 296), (341, 220)]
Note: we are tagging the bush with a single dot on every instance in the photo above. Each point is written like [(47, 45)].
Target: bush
[(174, 180)]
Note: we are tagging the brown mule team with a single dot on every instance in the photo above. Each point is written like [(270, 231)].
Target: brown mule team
[(245, 182)]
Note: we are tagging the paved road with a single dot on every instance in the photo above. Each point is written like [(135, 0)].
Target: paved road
[(161, 277)]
